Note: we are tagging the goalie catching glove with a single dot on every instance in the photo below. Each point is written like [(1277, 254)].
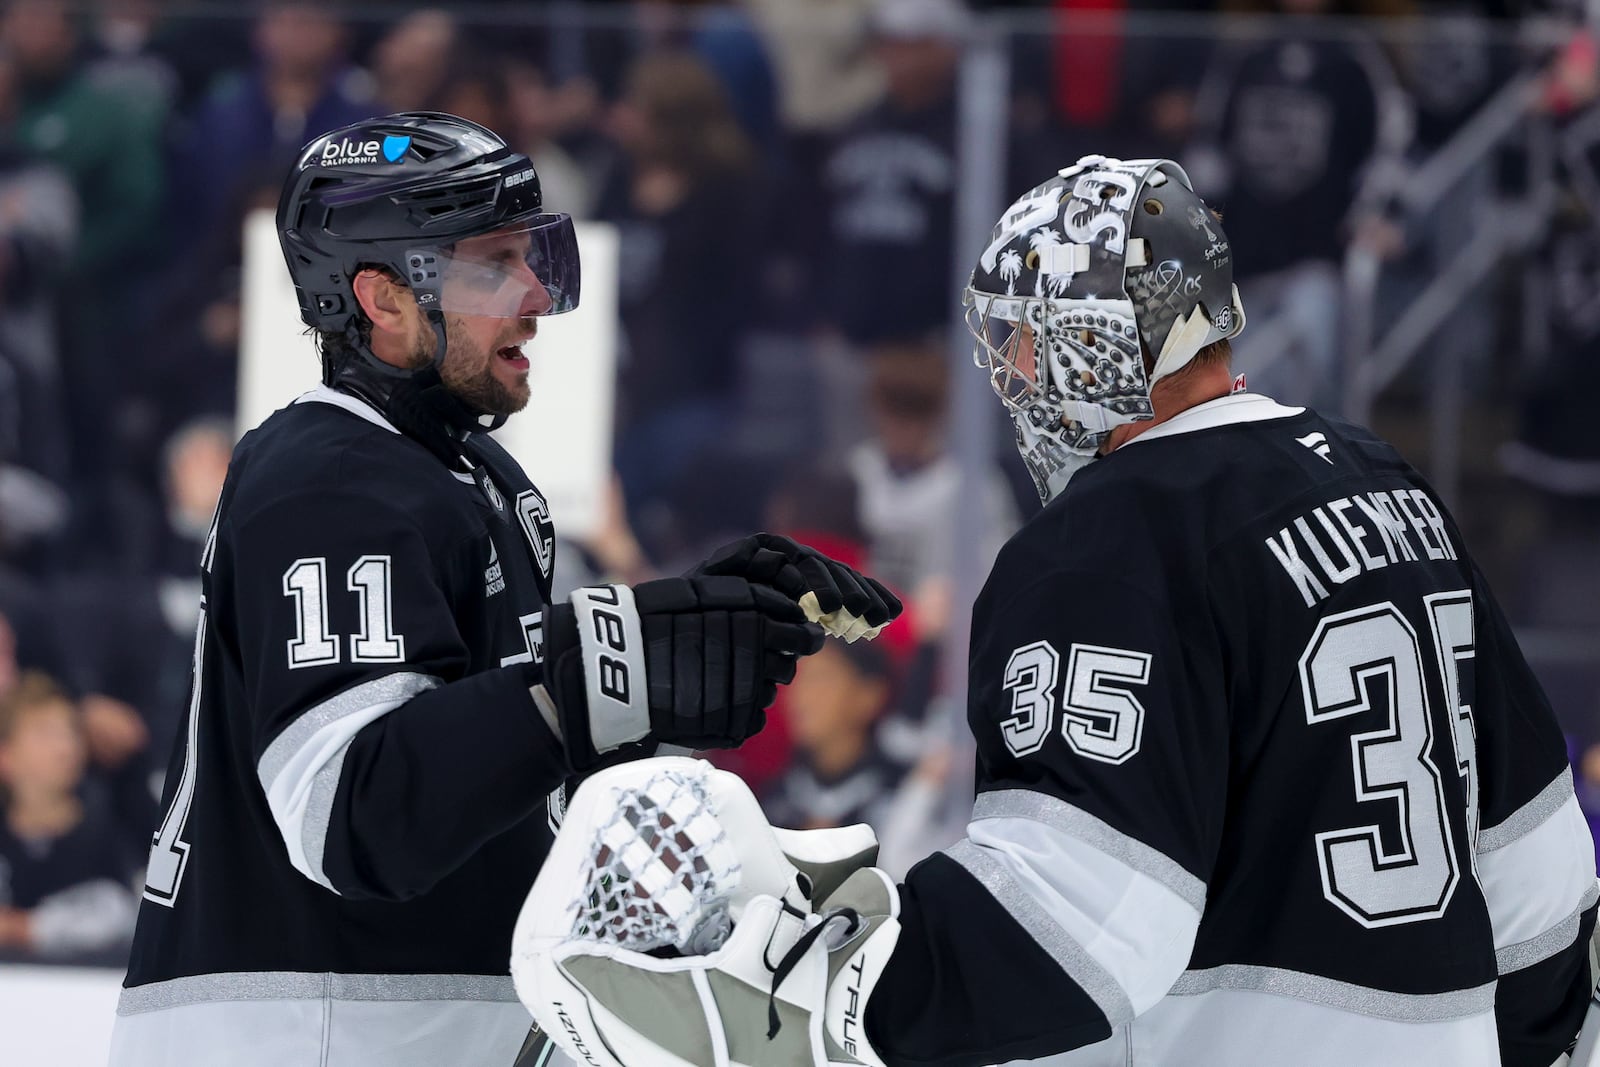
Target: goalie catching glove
[(686, 661), (672, 926), (845, 602)]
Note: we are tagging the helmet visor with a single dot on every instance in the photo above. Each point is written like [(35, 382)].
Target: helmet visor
[(512, 273), (1005, 345)]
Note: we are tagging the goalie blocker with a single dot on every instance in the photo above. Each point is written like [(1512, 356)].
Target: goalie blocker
[(654, 855)]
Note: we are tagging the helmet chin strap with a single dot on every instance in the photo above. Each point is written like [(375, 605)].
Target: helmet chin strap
[(418, 403)]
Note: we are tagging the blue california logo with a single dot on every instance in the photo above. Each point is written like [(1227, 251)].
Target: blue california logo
[(394, 147)]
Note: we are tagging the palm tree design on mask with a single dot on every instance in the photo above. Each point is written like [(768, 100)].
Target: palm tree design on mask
[(1010, 269), (1042, 241)]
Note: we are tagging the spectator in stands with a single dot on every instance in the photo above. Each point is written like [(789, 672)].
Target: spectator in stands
[(476, 90), (124, 57), (883, 199), (815, 505), (838, 774), (38, 237), (65, 878), (720, 36), (538, 115), (682, 205), (254, 123), (889, 183), (828, 77), (133, 638), (827, 74), (196, 464), (909, 484), (1554, 447), (412, 61), (158, 52), (107, 143), (1299, 135), (192, 340)]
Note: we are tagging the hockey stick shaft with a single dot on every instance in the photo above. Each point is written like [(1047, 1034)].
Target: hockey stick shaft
[(537, 1049)]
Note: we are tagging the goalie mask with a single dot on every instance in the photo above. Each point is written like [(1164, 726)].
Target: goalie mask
[(1086, 275)]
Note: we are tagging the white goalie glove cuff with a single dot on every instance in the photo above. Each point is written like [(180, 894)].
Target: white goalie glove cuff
[(856, 963), (669, 852), (787, 989)]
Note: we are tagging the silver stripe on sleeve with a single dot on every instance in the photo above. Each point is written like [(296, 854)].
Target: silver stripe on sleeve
[(1344, 996), (398, 687), (1538, 949), (1070, 956), (319, 812), (1529, 816), (312, 751), (301, 985), (1074, 821)]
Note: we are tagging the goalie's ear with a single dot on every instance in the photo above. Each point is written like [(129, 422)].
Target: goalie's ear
[(825, 858)]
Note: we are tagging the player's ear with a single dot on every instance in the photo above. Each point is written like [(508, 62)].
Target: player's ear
[(384, 300)]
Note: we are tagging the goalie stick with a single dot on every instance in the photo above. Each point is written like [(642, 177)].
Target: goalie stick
[(537, 1049)]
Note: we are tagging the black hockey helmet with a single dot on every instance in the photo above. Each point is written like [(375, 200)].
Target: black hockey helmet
[(398, 192), (1104, 263)]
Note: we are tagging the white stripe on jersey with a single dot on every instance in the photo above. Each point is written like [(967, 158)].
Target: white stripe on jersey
[(1537, 949), (996, 876), (341, 1020), (1075, 822), (1121, 934), (1537, 873), (300, 770), (1528, 817)]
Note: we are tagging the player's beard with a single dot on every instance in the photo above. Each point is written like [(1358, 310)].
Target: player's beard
[(469, 372)]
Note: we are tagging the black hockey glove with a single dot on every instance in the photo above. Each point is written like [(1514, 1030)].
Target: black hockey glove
[(794, 569), (686, 661)]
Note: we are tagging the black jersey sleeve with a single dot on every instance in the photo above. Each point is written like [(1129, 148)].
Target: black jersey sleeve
[(385, 756), (1534, 853), (1073, 903)]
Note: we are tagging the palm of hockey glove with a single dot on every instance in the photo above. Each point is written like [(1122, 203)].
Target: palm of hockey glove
[(686, 661), (795, 570)]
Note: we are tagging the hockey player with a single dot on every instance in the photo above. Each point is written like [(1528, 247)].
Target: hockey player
[(1263, 778), (383, 695)]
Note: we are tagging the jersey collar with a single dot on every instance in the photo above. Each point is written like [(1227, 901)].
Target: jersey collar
[(1223, 411), (351, 403)]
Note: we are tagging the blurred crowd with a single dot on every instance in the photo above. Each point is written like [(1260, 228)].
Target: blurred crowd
[(783, 177)]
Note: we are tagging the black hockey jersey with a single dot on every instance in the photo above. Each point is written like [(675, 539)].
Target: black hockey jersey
[(1263, 778), (357, 808)]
